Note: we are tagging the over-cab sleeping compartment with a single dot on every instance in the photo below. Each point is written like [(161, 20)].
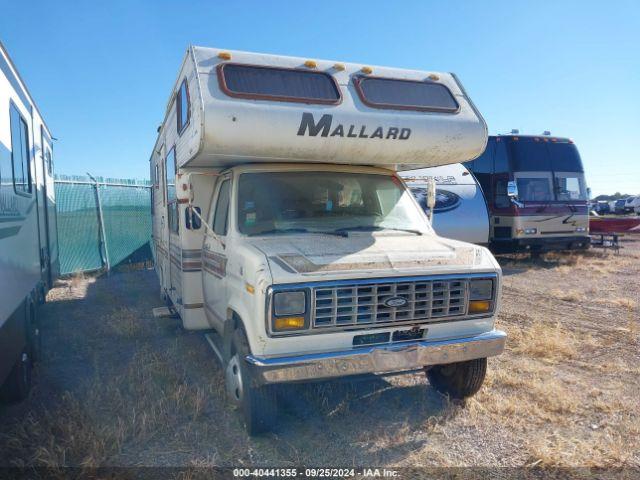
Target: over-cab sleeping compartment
[(267, 108)]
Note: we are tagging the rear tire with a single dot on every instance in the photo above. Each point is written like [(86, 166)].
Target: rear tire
[(458, 380), (16, 387), (258, 403), (35, 339)]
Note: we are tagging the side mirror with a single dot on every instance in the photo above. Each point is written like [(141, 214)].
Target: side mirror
[(191, 220), (512, 189)]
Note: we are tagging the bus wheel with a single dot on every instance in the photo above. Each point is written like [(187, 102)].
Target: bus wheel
[(18, 384)]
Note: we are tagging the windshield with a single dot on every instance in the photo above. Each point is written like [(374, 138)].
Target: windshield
[(537, 156), (534, 189), (327, 202), (570, 186)]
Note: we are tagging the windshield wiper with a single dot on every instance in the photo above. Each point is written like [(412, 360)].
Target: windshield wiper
[(279, 230), (372, 228), (298, 230)]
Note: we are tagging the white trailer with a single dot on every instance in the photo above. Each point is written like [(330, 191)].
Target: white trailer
[(28, 233), (280, 224), (460, 210)]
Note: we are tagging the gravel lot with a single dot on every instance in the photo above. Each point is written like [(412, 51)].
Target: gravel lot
[(117, 387)]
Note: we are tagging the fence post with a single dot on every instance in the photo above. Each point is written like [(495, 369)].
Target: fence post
[(103, 233)]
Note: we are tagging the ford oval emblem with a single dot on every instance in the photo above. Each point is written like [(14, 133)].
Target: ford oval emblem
[(445, 200), (395, 302)]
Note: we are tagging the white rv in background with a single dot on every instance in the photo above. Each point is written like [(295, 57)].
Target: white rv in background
[(461, 210), (28, 234), (281, 226)]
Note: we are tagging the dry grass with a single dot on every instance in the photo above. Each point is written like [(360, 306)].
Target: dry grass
[(151, 396), (626, 303), (568, 295), (564, 394), (544, 341), (125, 322)]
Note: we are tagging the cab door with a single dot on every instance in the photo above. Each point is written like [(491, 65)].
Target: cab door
[(214, 255)]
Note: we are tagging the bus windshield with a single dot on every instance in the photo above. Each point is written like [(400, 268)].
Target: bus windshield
[(547, 171), (325, 202), (532, 156)]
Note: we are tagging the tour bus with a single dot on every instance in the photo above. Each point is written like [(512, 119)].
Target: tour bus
[(282, 229), (536, 193), (460, 211), (28, 235)]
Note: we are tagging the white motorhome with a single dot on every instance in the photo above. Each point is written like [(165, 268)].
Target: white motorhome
[(460, 211), (28, 234), (281, 225)]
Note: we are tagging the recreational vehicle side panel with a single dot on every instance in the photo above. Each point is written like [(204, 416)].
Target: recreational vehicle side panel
[(25, 266), (182, 127), (460, 211)]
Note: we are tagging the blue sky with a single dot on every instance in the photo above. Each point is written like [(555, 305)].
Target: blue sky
[(101, 72)]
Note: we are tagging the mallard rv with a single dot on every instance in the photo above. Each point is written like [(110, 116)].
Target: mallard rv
[(28, 239), (282, 227)]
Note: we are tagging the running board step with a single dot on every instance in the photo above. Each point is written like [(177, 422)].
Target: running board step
[(163, 312)]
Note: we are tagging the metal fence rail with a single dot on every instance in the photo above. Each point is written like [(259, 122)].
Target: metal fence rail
[(102, 222)]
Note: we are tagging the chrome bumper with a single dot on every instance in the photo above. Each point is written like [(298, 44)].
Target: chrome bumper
[(388, 358)]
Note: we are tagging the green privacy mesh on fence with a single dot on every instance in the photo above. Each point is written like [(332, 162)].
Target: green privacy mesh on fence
[(84, 207)]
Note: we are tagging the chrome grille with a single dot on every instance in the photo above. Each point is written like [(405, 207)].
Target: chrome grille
[(358, 304)]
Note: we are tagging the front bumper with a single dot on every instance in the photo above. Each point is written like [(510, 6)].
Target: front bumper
[(540, 244), (387, 358)]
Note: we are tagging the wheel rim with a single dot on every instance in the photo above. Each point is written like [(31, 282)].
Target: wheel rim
[(233, 380)]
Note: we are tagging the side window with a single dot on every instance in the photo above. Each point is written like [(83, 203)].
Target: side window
[(182, 106), (172, 217), (221, 216), (152, 177), (501, 160), (170, 174), (501, 199), (484, 163), (170, 182), (49, 162), (482, 169), (20, 152)]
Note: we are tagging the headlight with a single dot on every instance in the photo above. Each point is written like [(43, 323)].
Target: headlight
[(481, 289), (480, 296), (530, 231), (289, 303), (581, 229)]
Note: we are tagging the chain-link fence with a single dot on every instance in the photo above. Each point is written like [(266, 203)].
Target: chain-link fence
[(102, 222)]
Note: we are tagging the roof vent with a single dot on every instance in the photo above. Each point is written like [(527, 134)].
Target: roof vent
[(515, 131)]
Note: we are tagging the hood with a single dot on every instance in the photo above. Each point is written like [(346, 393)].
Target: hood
[(378, 255)]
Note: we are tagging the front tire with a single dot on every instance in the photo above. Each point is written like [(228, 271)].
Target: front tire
[(18, 384), (257, 403), (458, 380)]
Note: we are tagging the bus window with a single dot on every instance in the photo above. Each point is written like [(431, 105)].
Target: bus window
[(569, 187), (565, 157), (528, 156), (500, 159), (501, 199), (534, 188), (482, 168)]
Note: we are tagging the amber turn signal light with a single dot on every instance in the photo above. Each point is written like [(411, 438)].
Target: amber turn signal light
[(479, 306), (288, 323)]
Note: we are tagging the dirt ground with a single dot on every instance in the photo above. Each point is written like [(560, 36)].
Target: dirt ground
[(117, 387)]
